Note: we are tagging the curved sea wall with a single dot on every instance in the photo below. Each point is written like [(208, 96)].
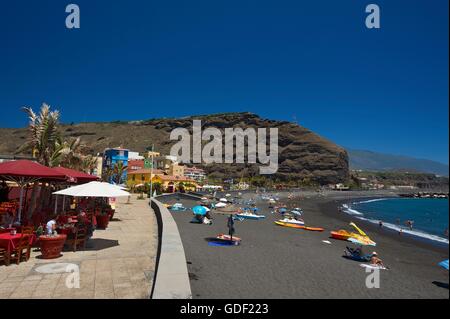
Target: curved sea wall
[(171, 279)]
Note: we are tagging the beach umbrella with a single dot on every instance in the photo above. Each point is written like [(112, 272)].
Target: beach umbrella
[(444, 264), (229, 210), (93, 189), (221, 205), (223, 200), (200, 210), (23, 172), (357, 241)]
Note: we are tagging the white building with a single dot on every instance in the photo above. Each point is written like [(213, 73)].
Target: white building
[(195, 173), (134, 156)]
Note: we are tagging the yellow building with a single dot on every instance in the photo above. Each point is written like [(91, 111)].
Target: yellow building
[(176, 170), (151, 154), (172, 183), (141, 177)]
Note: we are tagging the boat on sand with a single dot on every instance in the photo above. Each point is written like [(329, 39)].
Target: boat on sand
[(359, 238)]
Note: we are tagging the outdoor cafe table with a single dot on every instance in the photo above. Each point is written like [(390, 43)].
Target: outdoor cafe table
[(9, 242)]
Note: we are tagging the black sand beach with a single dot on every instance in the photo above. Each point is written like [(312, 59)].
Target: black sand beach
[(279, 262)]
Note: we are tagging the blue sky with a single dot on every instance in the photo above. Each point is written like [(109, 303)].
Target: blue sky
[(383, 90)]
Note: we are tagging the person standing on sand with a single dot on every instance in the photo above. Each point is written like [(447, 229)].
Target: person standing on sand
[(380, 223)]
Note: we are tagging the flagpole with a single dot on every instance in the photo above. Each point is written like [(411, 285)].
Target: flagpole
[(151, 175)]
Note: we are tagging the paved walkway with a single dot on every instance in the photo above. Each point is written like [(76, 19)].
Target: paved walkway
[(119, 262)]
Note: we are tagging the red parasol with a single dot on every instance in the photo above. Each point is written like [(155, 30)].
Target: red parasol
[(23, 172), (76, 176)]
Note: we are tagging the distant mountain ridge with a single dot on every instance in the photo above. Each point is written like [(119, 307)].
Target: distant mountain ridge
[(372, 161), (303, 155)]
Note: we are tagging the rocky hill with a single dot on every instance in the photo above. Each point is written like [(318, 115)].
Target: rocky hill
[(302, 153)]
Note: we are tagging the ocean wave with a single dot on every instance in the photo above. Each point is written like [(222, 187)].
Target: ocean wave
[(351, 211), (417, 233), (347, 209), (370, 201)]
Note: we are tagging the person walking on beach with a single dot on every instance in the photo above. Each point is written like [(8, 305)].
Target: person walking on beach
[(410, 223), (380, 224)]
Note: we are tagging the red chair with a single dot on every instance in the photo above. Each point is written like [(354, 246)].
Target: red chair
[(22, 251)]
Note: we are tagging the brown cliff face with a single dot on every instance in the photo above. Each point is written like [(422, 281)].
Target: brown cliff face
[(302, 153)]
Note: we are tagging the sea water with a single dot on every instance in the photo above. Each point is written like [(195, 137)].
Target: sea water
[(430, 216)]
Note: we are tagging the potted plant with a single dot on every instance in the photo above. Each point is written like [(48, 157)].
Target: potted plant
[(51, 245), (103, 219)]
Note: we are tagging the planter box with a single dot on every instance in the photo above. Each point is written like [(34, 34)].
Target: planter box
[(102, 221), (51, 247)]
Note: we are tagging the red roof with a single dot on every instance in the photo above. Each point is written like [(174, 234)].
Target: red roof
[(172, 178), (28, 169), (146, 171), (76, 176)]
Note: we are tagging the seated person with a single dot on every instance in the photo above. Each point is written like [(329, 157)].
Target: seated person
[(8, 220), (83, 221), (375, 261), (197, 219), (51, 227), (39, 231)]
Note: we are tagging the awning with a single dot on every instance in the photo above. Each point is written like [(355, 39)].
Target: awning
[(75, 176), (24, 169)]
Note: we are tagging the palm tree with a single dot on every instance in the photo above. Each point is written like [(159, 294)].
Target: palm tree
[(71, 154), (107, 174), (88, 164), (44, 136), (118, 169)]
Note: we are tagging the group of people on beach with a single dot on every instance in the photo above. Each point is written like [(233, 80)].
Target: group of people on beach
[(408, 223)]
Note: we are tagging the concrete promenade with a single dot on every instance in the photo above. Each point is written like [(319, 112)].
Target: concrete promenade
[(118, 262)]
